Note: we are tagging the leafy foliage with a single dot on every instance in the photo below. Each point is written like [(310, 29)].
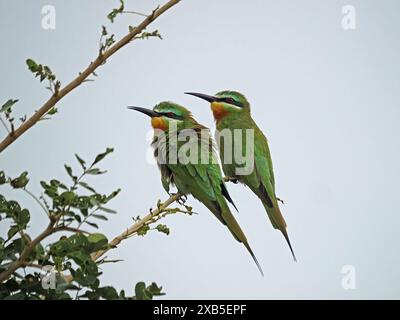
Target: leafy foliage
[(6, 109), (147, 293), (71, 271), (106, 40), (44, 73), (147, 35), (115, 12), (31, 268)]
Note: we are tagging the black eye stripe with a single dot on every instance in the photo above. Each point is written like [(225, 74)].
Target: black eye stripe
[(231, 101), (171, 115)]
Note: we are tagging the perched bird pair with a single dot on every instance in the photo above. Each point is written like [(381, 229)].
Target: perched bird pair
[(204, 181)]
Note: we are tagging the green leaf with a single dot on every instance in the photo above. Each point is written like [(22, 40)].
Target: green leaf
[(3, 178), (67, 197), (23, 218), (95, 171), (1, 249), (69, 171), (38, 252), (78, 218), (6, 107), (93, 201), (79, 256), (99, 216), (146, 35), (139, 290), (86, 186), (101, 156), (113, 14), (47, 70), (146, 293), (108, 210), (32, 65), (143, 230), (21, 181), (52, 111), (163, 229), (98, 241), (57, 184), (94, 225), (51, 189), (155, 290), (12, 231), (113, 195), (108, 293), (81, 161)]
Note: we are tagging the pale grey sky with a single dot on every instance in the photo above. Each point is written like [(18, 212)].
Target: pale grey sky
[(327, 99)]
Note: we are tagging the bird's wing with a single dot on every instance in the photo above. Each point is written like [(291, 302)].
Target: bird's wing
[(205, 183), (263, 164), (264, 173), (166, 176), (262, 176), (261, 180)]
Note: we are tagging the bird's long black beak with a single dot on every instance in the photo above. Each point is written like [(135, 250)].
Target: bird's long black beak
[(203, 96), (147, 112)]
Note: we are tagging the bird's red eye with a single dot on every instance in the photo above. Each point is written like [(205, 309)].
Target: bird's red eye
[(171, 114), (230, 100)]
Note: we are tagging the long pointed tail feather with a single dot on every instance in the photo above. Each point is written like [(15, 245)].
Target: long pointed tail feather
[(285, 234), (278, 222), (234, 227), (254, 257)]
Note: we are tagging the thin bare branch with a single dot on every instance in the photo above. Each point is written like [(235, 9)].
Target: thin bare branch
[(137, 225), (70, 229), (37, 201), (4, 125), (161, 208), (135, 12)]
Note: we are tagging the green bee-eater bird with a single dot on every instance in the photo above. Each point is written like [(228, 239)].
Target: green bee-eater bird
[(200, 177), (231, 111)]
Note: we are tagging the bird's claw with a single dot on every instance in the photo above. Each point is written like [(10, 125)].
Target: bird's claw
[(182, 199), (231, 179), (280, 200)]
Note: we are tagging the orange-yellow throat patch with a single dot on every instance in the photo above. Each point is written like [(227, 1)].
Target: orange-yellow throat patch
[(218, 110), (159, 123)]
